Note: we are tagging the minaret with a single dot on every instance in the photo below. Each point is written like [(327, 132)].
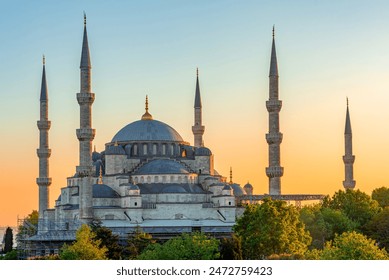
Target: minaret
[(43, 152), (274, 137), (198, 128), (348, 157), (85, 133)]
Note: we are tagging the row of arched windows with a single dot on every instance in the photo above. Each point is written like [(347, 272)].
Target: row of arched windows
[(155, 149), (179, 179)]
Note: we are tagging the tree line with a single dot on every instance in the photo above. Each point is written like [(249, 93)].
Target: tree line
[(350, 225)]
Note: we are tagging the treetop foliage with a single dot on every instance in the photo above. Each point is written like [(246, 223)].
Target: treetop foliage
[(272, 227)]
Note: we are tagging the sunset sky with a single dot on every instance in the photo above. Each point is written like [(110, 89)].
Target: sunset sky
[(326, 50)]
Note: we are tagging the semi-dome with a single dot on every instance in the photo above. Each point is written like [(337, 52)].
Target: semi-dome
[(104, 191), (163, 166), (115, 150), (147, 130)]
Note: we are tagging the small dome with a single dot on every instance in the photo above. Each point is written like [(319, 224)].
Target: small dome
[(248, 186), (227, 188), (115, 150), (96, 156), (127, 148), (163, 166), (238, 190), (134, 188), (104, 191), (203, 151)]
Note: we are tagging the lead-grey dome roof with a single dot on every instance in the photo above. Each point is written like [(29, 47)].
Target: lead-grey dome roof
[(103, 191), (147, 130), (163, 166)]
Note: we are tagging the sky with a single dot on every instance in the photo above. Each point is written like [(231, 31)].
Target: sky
[(326, 50)]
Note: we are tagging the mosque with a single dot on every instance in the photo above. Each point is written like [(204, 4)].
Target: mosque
[(148, 176)]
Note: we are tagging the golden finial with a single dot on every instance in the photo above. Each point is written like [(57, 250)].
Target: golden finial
[(230, 175), (84, 18), (147, 115), (101, 175), (273, 30), (44, 59), (116, 143), (94, 149)]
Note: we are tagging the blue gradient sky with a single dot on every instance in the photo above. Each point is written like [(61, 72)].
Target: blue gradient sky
[(327, 50)]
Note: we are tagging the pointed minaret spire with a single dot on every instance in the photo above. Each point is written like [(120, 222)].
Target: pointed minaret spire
[(348, 158), (274, 137), (198, 129), (43, 152), (44, 84), (85, 57), (273, 62), (85, 133)]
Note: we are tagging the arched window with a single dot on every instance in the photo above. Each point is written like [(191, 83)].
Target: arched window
[(163, 149), (135, 149), (156, 179), (144, 149), (154, 149), (148, 179)]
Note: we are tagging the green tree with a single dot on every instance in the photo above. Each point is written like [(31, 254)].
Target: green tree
[(231, 248), (85, 247), (11, 255), (136, 243), (357, 205), (196, 246), (107, 240), (381, 195), (8, 240), (352, 246), (323, 223), (272, 227), (378, 228)]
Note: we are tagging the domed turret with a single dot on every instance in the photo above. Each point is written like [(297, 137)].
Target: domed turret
[(248, 188)]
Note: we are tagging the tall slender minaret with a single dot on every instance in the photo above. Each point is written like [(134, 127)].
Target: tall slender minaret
[(85, 98), (198, 128), (85, 133), (274, 137), (348, 158), (43, 152)]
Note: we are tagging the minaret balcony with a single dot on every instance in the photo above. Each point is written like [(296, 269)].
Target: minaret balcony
[(347, 159), (274, 171), (274, 138), (273, 105), (349, 184), (198, 129), (85, 98), (43, 152), (43, 181), (44, 124), (84, 134)]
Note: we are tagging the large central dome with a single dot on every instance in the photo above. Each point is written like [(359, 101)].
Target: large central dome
[(147, 130)]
